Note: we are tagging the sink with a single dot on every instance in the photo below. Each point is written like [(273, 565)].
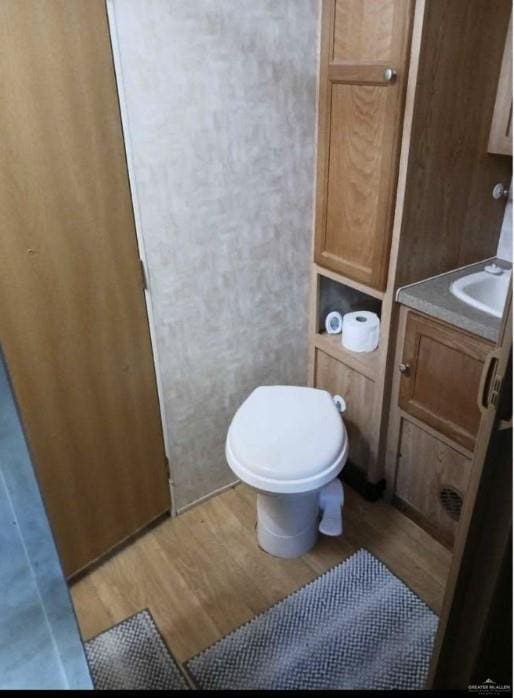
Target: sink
[(485, 290)]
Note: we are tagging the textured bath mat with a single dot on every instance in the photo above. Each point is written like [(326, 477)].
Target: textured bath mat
[(132, 656), (355, 627)]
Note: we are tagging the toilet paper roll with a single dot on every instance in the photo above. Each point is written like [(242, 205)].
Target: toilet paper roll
[(361, 331), (334, 322)]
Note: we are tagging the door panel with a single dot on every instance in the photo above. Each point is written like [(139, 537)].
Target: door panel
[(360, 123), (431, 474), (354, 202), (358, 392), (73, 319), (443, 377), (367, 31)]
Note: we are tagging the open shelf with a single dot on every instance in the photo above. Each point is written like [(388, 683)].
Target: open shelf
[(345, 281), (362, 362)]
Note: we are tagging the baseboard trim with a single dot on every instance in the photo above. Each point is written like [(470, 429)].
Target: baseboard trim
[(353, 476), (206, 497)]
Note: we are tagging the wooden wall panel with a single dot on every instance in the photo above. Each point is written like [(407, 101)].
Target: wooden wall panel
[(450, 218)]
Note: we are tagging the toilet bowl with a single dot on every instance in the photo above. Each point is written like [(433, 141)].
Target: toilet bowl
[(289, 443)]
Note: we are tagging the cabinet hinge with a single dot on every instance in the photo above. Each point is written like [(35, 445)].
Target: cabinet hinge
[(143, 275)]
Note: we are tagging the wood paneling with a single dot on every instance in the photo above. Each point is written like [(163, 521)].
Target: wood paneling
[(360, 120), (442, 382), (358, 392), (73, 320), (202, 573), (426, 466), (449, 216), (367, 31), (500, 137)]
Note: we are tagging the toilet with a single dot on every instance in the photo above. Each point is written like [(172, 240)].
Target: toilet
[(289, 443)]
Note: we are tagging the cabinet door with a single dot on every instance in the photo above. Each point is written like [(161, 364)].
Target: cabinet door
[(358, 392), (432, 480), (440, 383), (360, 121), (500, 137)]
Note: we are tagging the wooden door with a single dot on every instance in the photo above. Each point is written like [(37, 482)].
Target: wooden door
[(432, 479), (73, 318), (443, 367), (360, 123)]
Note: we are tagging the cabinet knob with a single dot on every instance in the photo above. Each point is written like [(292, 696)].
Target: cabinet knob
[(500, 191), (404, 368), (389, 74)]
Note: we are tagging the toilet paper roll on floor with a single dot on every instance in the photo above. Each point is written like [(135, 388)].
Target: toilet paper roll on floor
[(361, 331)]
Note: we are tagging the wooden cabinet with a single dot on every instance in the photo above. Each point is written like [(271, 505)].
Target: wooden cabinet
[(358, 391), (434, 419), (360, 123), (432, 480), (441, 377), (500, 137), (403, 185)]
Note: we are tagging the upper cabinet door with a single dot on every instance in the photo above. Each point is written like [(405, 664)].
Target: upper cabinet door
[(363, 73), (500, 137)]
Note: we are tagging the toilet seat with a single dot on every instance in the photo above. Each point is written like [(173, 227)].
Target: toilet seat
[(287, 439)]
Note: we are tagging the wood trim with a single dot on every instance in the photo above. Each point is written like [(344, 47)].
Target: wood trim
[(500, 137), (328, 8), (405, 416), (352, 73), (361, 362), (395, 417), (391, 324), (345, 281)]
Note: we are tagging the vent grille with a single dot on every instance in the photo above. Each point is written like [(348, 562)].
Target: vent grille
[(451, 502)]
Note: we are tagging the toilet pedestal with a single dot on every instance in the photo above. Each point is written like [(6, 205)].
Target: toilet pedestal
[(287, 524)]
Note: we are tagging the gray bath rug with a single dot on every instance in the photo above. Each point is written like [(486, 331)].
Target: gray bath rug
[(355, 627), (132, 656)]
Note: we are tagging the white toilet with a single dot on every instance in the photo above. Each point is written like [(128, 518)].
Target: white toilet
[(290, 443)]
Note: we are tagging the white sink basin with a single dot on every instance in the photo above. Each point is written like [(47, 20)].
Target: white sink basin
[(483, 290)]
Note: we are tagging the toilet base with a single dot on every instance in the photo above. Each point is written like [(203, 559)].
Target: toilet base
[(287, 524)]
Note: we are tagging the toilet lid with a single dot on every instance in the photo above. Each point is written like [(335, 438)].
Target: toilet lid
[(286, 433)]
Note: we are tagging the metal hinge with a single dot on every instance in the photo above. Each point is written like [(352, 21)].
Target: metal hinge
[(143, 274)]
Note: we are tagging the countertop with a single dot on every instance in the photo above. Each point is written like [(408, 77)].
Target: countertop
[(40, 645), (432, 297)]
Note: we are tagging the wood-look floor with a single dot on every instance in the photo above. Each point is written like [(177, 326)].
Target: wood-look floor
[(202, 574)]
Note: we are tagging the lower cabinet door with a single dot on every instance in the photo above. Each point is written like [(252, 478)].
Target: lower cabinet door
[(432, 479), (358, 392), (440, 382)]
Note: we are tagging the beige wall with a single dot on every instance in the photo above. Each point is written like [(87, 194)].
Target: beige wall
[(218, 100)]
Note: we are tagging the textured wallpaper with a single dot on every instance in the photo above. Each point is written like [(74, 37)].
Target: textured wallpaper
[(220, 111)]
